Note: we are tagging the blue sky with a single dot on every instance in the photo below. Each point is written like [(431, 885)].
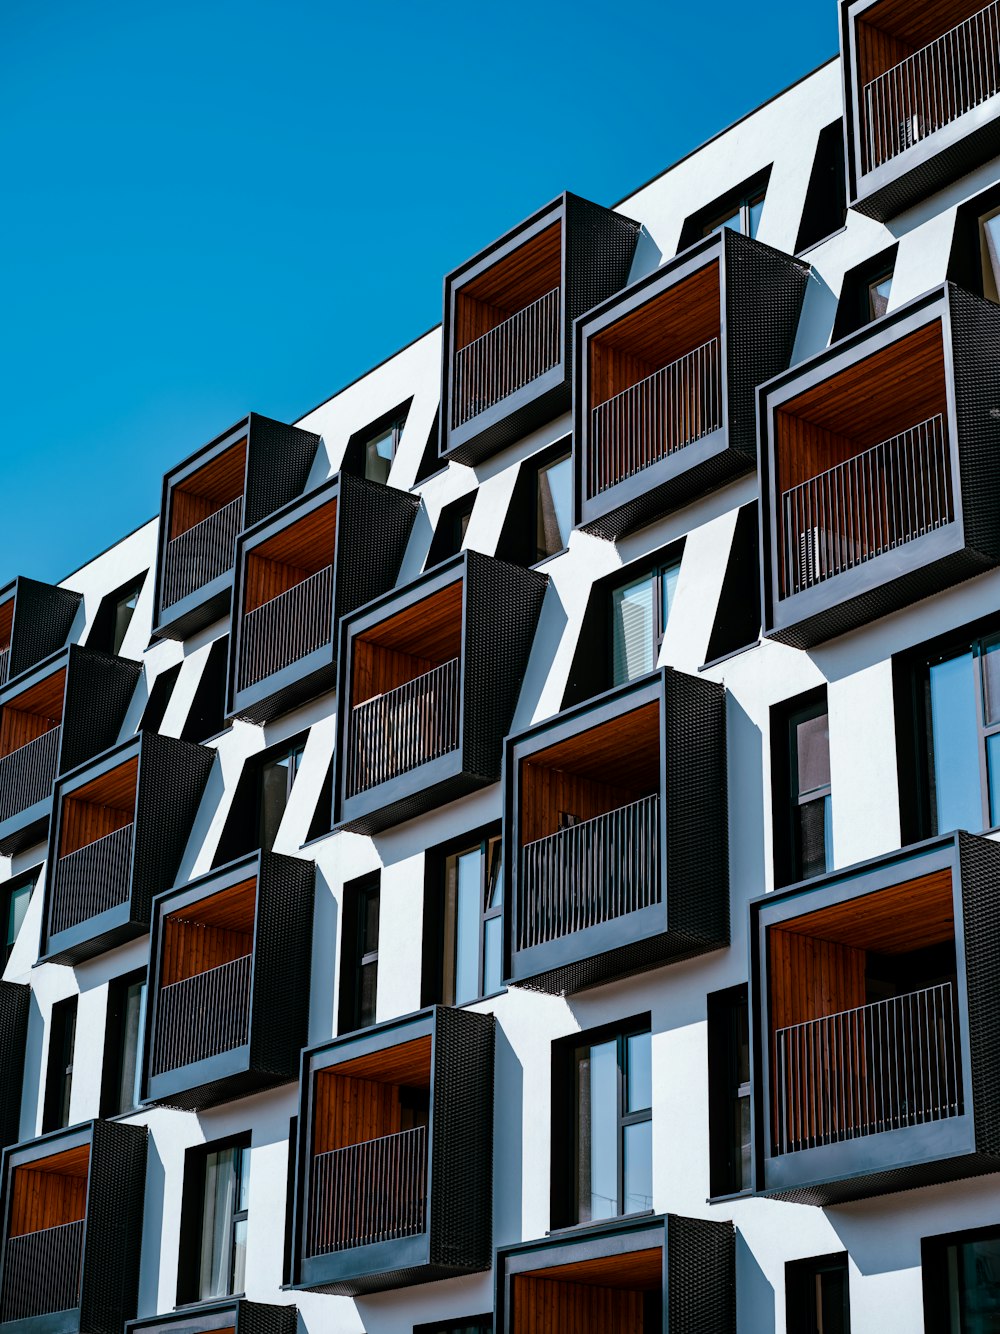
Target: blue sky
[(216, 207)]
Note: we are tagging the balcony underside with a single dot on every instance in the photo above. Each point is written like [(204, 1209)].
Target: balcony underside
[(212, 1082), (26, 828)]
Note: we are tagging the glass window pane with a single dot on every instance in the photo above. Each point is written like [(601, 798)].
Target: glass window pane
[(19, 900), (243, 1200), (597, 1132), (974, 1278), (991, 263), (878, 297), (633, 630), (494, 886), (638, 1167), (668, 584), (989, 662), (815, 838), (954, 759), (754, 209), (378, 456), (216, 1227), (993, 769), (741, 1137), (553, 521), (123, 616), (368, 989), (369, 926), (469, 912), (240, 1256), (133, 1013), (639, 1072), (274, 786), (734, 222), (812, 749), (492, 938)]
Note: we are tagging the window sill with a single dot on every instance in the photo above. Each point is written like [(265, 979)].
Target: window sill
[(545, 559), (736, 653), (572, 1228), (209, 1301), (728, 1199)]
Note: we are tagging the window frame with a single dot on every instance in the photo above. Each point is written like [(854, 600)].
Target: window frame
[(726, 1090), (935, 1278), (800, 1292), (786, 800), (354, 956), (193, 1217), (473, 1324), (115, 1036), (545, 466), (12, 888), (435, 909), (294, 753), (656, 576), (743, 206), (103, 631), (59, 1062)]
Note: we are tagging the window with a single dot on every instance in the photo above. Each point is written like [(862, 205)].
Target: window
[(640, 610), (159, 699), (371, 450), (737, 616), (277, 776), (452, 525), (214, 1221), (380, 451), (864, 294), (359, 959), (961, 1275), (743, 216), (825, 209), (878, 295), (991, 257), (479, 1324), (59, 1071), (260, 800), (729, 1091), (207, 717), (803, 810), (817, 1299), (539, 516), (14, 900), (114, 616), (123, 1040), (553, 507), (602, 1089), (463, 898), (738, 209)]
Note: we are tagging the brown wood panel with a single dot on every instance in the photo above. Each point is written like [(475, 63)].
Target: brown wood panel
[(430, 628), (209, 489), (378, 669), (350, 1111), (878, 51), (408, 1063), (99, 808), (50, 1192), (300, 550), (32, 713), (208, 934), (547, 793), (906, 917), (509, 285), (897, 28), (547, 1306), (641, 1270), (812, 978), (6, 622)]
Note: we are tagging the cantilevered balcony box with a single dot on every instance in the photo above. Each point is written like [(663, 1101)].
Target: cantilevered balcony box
[(875, 1012), (880, 468), (615, 825), (297, 574), (395, 1155), (921, 94), (35, 622), (233, 482), (119, 828), (650, 1275), (508, 322), (53, 718), (72, 1230), (228, 1010), (231, 1315), (432, 674), (665, 379), (15, 1003)]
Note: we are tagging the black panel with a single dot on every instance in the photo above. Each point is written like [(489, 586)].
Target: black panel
[(15, 1004)]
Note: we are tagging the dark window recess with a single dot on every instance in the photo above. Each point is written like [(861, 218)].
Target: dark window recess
[(477, 1324), (737, 618), (864, 296), (452, 525), (59, 1070), (322, 817), (539, 517), (817, 1298), (800, 777), (370, 451), (260, 799), (293, 1139), (729, 1091), (123, 1038), (739, 209), (430, 460), (15, 896), (159, 697), (208, 708), (107, 634), (214, 1221), (974, 262), (359, 957), (961, 1279), (602, 1122), (463, 927), (825, 209)]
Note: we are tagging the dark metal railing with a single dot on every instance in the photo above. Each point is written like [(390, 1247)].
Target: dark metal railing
[(41, 1272), (887, 495), (290, 626), (653, 419), (506, 358), (884, 1066), (404, 728), (370, 1192), (27, 774), (92, 879), (4, 664), (932, 87), (589, 873), (202, 553), (203, 1015)]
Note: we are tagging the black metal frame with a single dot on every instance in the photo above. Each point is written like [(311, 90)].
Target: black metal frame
[(458, 1236), (96, 698), (959, 1146), (761, 294), (112, 1244), (935, 1276), (699, 1267), (43, 618), (15, 1006), (598, 245), (501, 604), (278, 462), (373, 529), (171, 779), (279, 985), (937, 559), (925, 167), (692, 915), (234, 1313)]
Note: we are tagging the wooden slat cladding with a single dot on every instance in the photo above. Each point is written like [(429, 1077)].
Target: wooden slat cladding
[(893, 30), (878, 51), (812, 978), (408, 644), (409, 1063), (871, 401), (547, 793), (508, 286), (50, 1192), (669, 326), (547, 1306), (378, 669), (302, 549), (359, 1099), (99, 808), (209, 489), (33, 713), (208, 934), (6, 622), (640, 1270)]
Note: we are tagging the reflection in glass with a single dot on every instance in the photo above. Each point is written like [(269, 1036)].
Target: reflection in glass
[(597, 1132), (633, 630), (639, 1071), (554, 508), (467, 913), (638, 1167), (954, 760)]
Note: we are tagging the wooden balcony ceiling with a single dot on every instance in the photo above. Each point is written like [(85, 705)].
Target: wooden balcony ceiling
[(666, 327), (50, 1191), (208, 934), (209, 489), (32, 713), (912, 24), (589, 1298), (6, 622), (361, 1100), (99, 807), (430, 628), (508, 285), (624, 751), (408, 1063), (302, 549), (898, 920), (116, 788)]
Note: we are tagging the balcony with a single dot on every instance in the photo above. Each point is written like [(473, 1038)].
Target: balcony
[(233, 482), (615, 824), (508, 321), (230, 1315), (35, 622), (873, 1025), (876, 458), (664, 1273), (57, 716), (395, 1155), (666, 371), (297, 574), (230, 955), (431, 698), (15, 1005), (922, 93), (73, 1230), (117, 836)]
